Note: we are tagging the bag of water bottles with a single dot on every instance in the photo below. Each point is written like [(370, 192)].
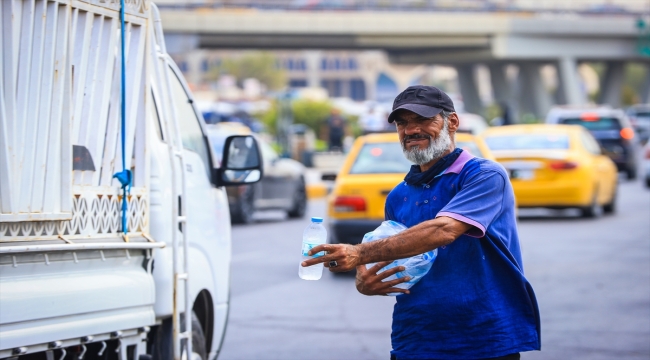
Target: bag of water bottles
[(415, 267)]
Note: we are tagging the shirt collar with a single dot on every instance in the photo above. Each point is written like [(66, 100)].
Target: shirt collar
[(457, 166)]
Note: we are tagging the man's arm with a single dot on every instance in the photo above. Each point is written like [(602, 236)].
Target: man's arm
[(419, 239)]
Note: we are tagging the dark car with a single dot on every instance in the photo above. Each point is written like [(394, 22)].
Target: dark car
[(282, 186), (640, 118), (610, 127)]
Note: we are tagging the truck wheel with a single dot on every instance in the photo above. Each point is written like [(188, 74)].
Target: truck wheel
[(163, 345), (299, 202), (198, 340)]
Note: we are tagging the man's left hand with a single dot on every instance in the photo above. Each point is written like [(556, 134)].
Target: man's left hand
[(338, 257)]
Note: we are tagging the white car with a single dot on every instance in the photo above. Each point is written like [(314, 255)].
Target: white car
[(646, 164)]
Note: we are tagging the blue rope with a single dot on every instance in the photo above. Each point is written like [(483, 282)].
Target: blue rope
[(124, 176)]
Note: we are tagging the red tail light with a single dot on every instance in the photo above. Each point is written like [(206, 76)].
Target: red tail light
[(563, 165), (627, 133), (589, 117), (349, 204), (647, 152)]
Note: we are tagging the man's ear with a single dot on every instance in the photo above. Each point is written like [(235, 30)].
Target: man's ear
[(453, 122)]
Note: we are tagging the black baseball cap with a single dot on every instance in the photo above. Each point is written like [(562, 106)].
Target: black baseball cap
[(426, 101)]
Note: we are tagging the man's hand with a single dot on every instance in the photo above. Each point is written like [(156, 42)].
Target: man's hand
[(370, 283), (345, 257)]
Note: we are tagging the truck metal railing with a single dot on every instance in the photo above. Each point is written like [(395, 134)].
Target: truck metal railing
[(179, 211), (15, 249)]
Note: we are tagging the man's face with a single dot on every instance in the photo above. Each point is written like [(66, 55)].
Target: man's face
[(417, 131), (425, 139)]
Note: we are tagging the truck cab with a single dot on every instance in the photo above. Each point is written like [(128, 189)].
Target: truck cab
[(74, 280)]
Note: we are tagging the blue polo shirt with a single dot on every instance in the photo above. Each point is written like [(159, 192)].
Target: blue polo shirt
[(475, 302)]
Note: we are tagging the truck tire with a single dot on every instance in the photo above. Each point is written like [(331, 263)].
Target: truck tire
[(162, 347), (198, 340)]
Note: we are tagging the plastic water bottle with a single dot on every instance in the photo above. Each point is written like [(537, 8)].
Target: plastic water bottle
[(314, 235)]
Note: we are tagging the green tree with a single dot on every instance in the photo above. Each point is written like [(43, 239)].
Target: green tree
[(312, 113), (259, 65)]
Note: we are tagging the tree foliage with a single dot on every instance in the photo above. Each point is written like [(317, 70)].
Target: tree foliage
[(259, 65), (312, 113)]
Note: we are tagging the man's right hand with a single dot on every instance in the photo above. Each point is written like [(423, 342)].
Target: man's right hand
[(370, 283)]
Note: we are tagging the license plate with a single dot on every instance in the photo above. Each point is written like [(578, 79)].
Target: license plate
[(522, 174)]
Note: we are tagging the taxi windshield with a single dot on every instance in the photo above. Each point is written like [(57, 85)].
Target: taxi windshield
[(528, 142), (381, 158)]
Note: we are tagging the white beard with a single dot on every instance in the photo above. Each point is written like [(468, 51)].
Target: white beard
[(436, 149)]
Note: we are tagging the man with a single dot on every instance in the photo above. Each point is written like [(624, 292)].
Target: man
[(475, 302), (336, 129)]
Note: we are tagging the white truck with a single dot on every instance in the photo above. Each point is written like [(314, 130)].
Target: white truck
[(73, 282)]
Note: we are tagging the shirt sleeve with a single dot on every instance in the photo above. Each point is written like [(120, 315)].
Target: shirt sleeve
[(388, 211), (478, 202)]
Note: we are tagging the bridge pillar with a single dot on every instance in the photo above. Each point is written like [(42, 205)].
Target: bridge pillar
[(612, 83), (313, 59), (569, 90), (469, 89), (533, 96), (645, 90), (502, 90)]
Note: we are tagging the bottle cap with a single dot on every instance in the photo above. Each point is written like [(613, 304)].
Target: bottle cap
[(317, 219)]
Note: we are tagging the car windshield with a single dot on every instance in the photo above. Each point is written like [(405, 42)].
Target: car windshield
[(528, 142), (381, 158), (469, 146), (603, 123)]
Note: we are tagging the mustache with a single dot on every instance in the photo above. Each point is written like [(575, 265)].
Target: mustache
[(415, 137)]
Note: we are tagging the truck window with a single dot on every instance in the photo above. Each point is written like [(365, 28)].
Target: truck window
[(191, 133)]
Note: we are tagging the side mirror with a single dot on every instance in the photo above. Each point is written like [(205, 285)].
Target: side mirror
[(241, 162)]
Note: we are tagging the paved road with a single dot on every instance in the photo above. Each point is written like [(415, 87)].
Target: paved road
[(592, 279)]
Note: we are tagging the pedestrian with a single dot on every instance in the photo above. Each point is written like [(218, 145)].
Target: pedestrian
[(336, 130), (475, 302), (372, 122)]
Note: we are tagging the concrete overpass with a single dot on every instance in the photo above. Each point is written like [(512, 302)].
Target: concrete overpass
[(460, 39)]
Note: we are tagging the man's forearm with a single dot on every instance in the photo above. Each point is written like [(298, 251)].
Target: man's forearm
[(419, 239)]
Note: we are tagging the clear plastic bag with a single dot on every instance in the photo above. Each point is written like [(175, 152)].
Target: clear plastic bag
[(415, 267)]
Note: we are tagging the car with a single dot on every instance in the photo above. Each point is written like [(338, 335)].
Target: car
[(282, 186), (471, 123), (372, 168), (611, 128), (555, 166), (646, 164), (640, 118)]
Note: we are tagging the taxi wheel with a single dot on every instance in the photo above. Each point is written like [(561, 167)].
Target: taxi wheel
[(593, 210), (610, 207)]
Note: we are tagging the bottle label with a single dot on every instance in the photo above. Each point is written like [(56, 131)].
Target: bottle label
[(308, 246)]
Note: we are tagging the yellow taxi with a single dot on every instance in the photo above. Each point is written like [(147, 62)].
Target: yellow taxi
[(555, 166), (374, 165)]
